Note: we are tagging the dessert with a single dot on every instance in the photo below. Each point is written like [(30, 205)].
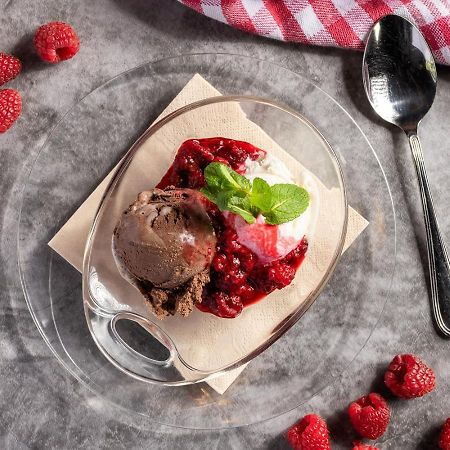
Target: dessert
[(249, 240), (164, 243)]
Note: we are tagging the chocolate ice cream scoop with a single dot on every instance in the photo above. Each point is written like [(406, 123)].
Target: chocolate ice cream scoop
[(165, 238)]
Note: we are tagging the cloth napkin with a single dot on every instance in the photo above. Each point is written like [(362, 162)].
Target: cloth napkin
[(335, 23)]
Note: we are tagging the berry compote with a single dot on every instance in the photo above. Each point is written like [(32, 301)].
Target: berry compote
[(238, 278)]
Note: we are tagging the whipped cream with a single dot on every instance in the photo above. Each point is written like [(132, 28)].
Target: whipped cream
[(289, 234)]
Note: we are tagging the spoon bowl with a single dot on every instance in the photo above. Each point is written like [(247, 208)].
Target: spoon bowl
[(399, 72)]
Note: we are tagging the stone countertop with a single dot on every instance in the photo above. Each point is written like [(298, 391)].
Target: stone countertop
[(42, 407)]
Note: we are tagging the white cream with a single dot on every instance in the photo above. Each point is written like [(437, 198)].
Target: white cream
[(274, 171)]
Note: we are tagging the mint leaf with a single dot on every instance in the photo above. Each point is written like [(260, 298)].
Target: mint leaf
[(210, 193), (241, 206), (225, 198), (223, 177), (233, 192), (288, 202), (261, 195), (228, 190)]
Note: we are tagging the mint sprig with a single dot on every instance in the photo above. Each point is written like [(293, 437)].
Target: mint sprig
[(232, 192)]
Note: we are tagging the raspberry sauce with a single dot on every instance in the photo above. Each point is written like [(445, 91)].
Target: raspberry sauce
[(238, 279)]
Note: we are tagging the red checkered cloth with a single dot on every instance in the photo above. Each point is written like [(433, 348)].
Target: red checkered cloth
[(337, 23)]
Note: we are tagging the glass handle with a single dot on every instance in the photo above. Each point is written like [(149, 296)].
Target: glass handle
[(151, 328), (172, 371)]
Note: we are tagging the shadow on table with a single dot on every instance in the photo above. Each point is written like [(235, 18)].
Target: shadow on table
[(278, 443), (24, 50), (199, 28), (171, 17), (429, 439)]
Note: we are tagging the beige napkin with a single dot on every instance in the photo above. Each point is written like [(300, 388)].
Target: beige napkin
[(70, 240)]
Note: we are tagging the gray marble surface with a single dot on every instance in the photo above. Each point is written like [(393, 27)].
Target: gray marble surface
[(41, 407)]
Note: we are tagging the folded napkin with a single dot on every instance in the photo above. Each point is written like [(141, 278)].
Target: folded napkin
[(331, 23)]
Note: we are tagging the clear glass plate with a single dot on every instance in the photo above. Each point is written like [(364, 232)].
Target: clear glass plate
[(203, 346), (92, 138)]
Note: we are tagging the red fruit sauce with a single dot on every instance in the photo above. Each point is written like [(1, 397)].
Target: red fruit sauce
[(237, 277)]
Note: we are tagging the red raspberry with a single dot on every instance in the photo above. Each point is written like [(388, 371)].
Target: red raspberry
[(444, 438), (310, 433), (409, 377), (275, 276), (281, 275), (193, 177), (370, 415), (219, 262), (247, 259), (245, 292), (297, 254), (221, 160), (201, 154), (227, 306), (10, 108), (359, 446), (56, 41), (10, 67)]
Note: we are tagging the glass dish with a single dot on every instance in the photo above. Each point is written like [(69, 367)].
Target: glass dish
[(86, 144), (203, 346)]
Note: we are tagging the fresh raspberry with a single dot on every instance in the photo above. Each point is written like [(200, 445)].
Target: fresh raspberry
[(444, 438), (370, 415), (360, 446), (56, 41), (310, 433), (10, 67), (409, 377), (10, 108)]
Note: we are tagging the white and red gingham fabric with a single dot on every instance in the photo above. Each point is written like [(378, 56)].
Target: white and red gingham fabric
[(337, 23)]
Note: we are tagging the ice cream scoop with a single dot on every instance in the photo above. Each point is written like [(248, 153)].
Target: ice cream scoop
[(273, 242), (164, 239)]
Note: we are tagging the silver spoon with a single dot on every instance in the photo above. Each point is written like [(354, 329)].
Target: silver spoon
[(399, 77)]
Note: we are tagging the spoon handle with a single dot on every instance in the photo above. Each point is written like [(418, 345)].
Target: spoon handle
[(438, 260)]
